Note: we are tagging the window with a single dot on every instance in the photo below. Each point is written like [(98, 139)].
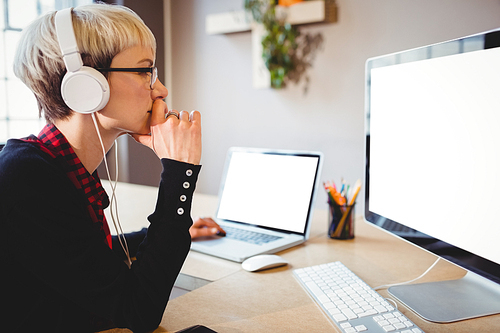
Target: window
[(18, 107)]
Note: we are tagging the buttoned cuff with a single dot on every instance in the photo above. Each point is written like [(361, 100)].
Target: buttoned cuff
[(178, 182)]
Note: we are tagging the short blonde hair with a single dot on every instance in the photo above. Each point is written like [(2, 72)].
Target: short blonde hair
[(101, 30)]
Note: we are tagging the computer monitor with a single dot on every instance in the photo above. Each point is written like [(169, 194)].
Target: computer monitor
[(433, 166)]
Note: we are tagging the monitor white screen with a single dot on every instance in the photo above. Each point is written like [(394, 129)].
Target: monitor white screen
[(432, 123), (435, 148)]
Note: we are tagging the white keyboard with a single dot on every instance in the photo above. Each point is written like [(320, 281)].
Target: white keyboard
[(351, 304)]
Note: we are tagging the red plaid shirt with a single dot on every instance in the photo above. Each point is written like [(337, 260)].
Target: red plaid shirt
[(53, 142)]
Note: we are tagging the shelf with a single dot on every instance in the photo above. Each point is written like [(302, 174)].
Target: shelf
[(317, 11), (237, 21)]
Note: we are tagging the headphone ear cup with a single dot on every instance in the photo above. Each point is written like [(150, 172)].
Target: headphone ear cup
[(85, 91)]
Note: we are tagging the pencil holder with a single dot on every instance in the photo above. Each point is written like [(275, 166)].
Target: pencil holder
[(340, 221)]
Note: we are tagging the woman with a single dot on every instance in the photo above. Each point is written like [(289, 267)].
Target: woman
[(62, 271)]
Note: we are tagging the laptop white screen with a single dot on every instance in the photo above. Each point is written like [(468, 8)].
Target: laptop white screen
[(269, 190)]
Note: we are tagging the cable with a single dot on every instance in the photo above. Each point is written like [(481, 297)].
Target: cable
[(401, 283), (114, 201), (392, 301)]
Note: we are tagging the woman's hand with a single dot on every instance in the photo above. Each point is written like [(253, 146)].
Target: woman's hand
[(177, 139), (205, 227)]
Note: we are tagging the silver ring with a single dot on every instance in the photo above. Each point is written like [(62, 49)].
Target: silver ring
[(171, 113)]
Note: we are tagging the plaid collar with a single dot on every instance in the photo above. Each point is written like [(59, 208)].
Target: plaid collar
[(53, 142)]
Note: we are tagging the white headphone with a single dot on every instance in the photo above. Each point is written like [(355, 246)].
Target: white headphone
[(84, 89)]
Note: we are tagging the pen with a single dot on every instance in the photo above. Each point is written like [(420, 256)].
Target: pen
[(357, 187), (339, 199), (329, 192), (334, 196)]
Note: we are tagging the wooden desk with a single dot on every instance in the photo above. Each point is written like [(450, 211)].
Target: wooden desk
[(272, 300)]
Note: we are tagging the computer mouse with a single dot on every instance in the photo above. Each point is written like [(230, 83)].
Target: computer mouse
[(263, 261)]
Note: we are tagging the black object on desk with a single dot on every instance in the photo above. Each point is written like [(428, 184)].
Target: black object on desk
[(197, 329)]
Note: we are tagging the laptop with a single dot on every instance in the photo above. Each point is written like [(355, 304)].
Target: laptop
[(266, 200)]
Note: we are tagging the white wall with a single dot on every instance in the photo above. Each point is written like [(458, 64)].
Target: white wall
[(213, 74)]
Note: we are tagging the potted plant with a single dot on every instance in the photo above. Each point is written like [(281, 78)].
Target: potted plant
[(287, 52)]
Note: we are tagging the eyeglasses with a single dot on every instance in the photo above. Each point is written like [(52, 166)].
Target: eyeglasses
[(153, 71)]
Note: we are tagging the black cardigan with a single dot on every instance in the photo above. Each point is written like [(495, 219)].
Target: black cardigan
[(58, 274)]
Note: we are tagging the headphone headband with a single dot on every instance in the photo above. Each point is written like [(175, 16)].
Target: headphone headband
[(67, 40)]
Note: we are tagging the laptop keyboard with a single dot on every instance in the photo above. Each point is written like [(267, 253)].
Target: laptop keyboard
[(249, 236)]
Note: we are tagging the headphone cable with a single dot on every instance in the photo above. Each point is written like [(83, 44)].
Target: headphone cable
[(114, 201)]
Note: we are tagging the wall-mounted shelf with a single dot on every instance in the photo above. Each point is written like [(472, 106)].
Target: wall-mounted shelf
[(224, 23), (316, 11)]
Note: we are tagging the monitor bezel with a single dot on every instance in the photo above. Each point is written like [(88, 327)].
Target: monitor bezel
[(458, 256)]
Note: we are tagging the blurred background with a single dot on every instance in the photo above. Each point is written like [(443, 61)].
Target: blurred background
[(213, 74)]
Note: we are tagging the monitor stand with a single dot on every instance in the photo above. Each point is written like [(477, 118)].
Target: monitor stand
[(448, 301)]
